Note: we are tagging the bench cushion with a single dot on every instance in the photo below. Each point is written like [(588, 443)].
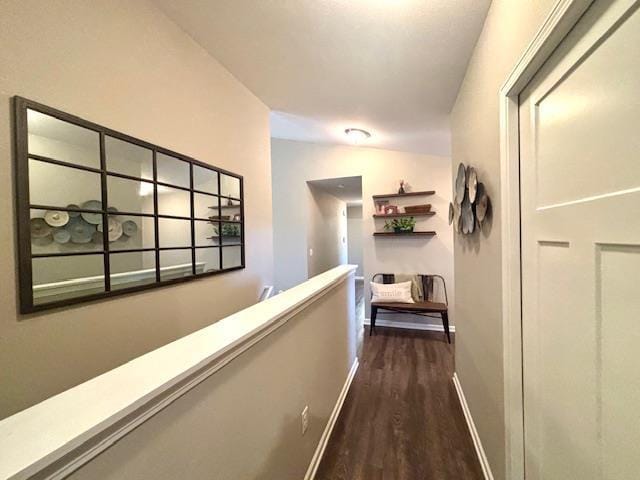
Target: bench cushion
[(413, 307)]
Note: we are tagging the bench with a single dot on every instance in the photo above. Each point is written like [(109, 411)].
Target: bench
[(433, 288)]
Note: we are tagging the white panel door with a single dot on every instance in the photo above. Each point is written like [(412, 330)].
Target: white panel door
[(580, 201)]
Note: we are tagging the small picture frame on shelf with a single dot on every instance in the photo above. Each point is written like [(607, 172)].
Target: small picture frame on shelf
[(380, 204), (391, 209)]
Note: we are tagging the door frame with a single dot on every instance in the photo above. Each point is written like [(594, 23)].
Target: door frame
[(562, 18)]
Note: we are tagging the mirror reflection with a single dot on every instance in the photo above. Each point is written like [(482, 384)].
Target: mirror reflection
[(55, 185), (132, 269), (229, 233), (128, 232), (172, 171), (128, 158), (231, 257), (205, 206), (229, 186), (64, 141), (131, 196), (60, 278), (58, 231), (230, 210), (176, 264), (205, 180), (174, 202), (173, 233), (207, 260), (161, 215), (206, 233)]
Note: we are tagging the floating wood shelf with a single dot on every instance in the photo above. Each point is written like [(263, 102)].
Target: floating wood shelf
[(211, 220), (408, 194), (225, 206), (411, 234), (395, 215)]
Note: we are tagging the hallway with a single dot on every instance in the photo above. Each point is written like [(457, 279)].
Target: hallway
[(402, 419)]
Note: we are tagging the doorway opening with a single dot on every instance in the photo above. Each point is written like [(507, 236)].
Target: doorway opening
[(334, 229)]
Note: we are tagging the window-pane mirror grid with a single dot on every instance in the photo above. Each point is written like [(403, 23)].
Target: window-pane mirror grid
[(115, 214)]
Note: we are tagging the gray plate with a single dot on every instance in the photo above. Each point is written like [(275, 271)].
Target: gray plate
[(130, 228), (80, 230), (456, 217), (472, 183), (39, 228), (482, 203), (92, 218), (115, 229), (461, 183), (56, 218), (61, 235), (73, 214), (468, 218)]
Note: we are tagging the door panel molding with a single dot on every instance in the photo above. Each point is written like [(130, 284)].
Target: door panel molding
[(564, 15), (560, 22)]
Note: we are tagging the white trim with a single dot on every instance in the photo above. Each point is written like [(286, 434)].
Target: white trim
[(267, 293), (43, 437), (430, 327), (324, 439), (361, 279), (482, 457), (46, 290), (564, 15)]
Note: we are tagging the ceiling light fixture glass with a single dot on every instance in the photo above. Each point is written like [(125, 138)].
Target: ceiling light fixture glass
[(357, 135)]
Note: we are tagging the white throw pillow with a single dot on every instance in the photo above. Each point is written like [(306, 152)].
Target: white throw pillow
[(391, 292)]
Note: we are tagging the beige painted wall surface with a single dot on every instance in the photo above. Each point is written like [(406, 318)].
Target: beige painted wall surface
[(354, 236), (124, 65), (326, 229), (295, 163), (509, 27), (243, 422)]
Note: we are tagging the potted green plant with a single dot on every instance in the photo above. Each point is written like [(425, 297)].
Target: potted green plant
[(401, 225), (229, 230)]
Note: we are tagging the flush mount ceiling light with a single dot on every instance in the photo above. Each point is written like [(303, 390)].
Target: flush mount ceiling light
[(357, 135)]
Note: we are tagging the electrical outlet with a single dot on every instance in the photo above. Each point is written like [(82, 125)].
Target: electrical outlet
[(311, 252), (305, 419)]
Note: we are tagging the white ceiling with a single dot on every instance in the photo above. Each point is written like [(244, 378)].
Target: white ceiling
[(347, 189), (392, 67)]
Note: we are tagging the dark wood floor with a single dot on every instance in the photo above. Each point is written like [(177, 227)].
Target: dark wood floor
[(402, 419)]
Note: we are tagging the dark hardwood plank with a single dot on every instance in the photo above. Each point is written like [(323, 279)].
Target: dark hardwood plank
[(402, 419)]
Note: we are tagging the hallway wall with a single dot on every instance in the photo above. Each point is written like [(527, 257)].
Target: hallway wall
[(125, 65), (509, 27), (294, 163), (354, 237), (326, 231)]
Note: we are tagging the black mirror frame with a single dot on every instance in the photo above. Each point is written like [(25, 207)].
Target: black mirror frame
[(24, 206)]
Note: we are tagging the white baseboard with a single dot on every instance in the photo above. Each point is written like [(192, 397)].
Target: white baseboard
[(482, 457), (324, 439), (409, 325)]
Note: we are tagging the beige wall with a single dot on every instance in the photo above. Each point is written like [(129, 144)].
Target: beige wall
[(295, 163), (354, 237), (243, 422), (124, 65), (509, 27), (326, 231)]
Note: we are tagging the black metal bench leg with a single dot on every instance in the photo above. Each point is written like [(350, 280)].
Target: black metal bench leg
[(445, 324), (374, 314)]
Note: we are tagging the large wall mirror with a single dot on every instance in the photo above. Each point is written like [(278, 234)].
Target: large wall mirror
[(101, 213)]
